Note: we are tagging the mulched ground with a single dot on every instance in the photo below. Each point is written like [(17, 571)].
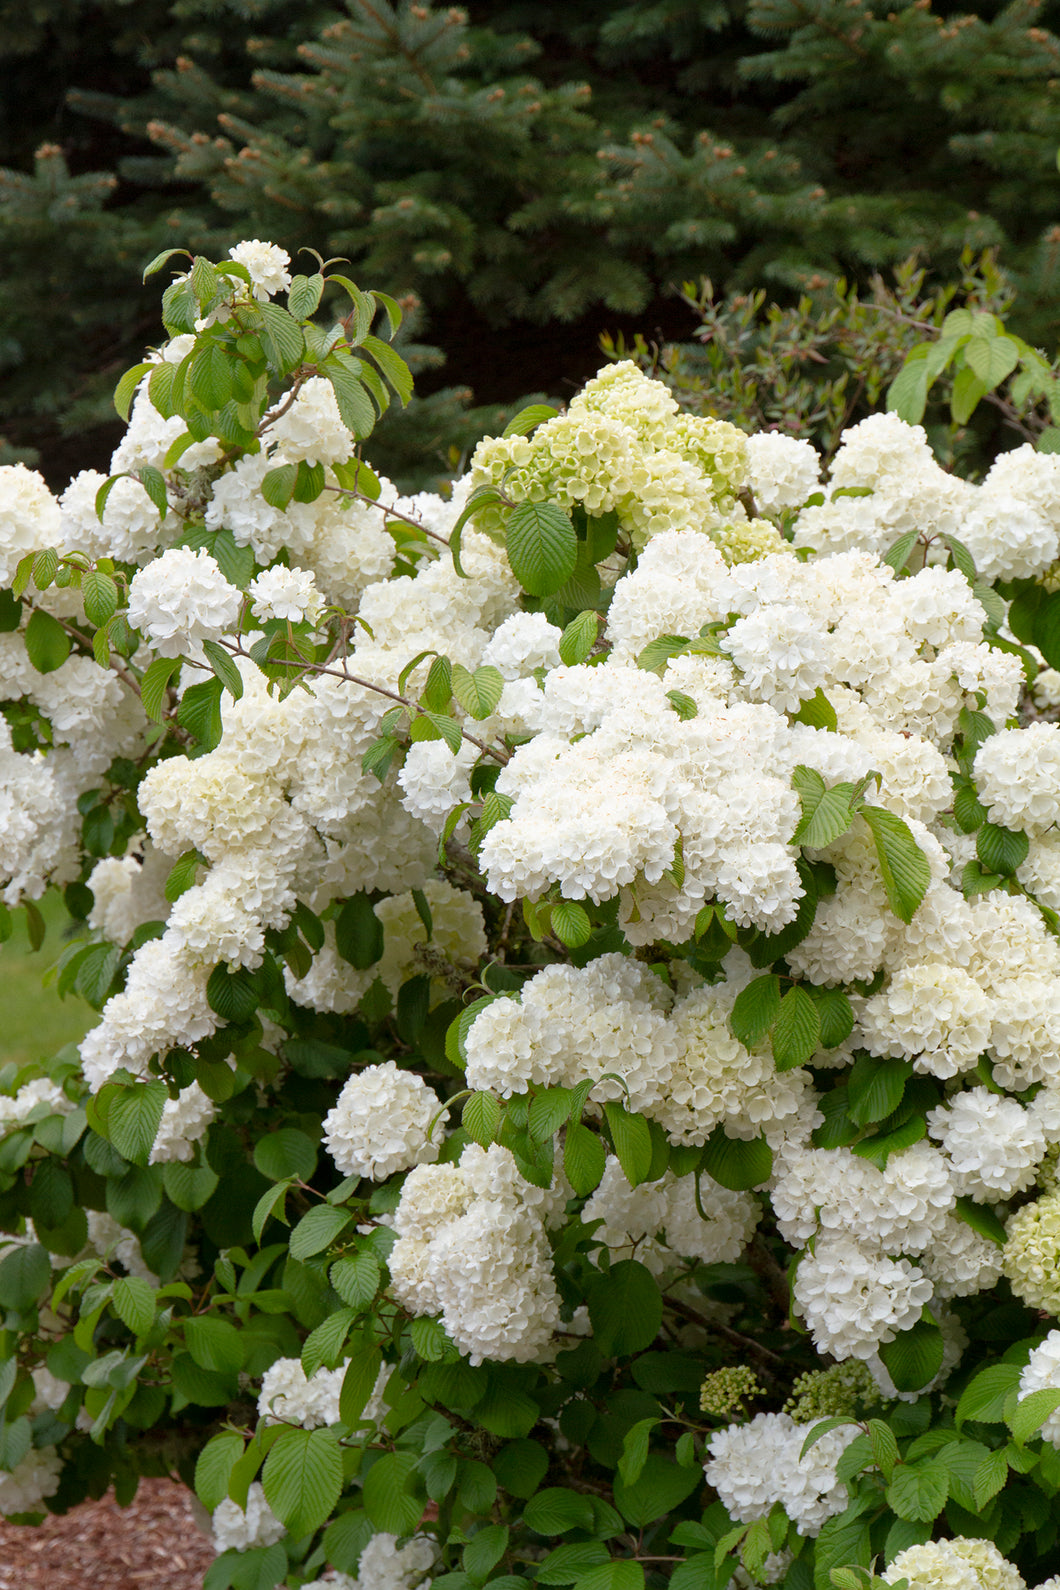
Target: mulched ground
[(155, 1544)]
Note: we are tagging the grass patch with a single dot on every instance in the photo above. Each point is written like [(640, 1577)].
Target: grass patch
[(34, 1021)]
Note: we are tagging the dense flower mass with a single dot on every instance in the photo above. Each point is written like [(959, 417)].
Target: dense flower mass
[(569, 956)]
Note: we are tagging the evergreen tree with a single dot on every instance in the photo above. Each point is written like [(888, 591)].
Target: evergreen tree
[(514, 164)]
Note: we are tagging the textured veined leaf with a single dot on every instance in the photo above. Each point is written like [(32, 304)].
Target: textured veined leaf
[(529, 419), (47, 643), (303, 295), (479, 692), (283, 336), (907, 393), (570, 923), (755, 1009), (302, 1479), (991, 359), (903, 865), (914, 1357), (542, 547), (126, 388), (392, 365), (154, 683), (224, 668)]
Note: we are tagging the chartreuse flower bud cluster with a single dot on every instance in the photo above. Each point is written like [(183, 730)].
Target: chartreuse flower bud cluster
[(572, 959)]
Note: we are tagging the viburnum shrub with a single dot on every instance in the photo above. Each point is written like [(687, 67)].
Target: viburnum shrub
[(576, 1093)]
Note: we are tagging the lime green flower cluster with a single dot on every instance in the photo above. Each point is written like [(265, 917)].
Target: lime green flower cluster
[(1031, 1257), (723, 1393), (623, 447), (836, 1393)]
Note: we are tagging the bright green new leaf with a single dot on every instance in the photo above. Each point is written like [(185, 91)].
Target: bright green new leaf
[(528, 419), (755, 1009), (796, 1031), (47, 643), (317, 1230), (1001, 850), (302, 1479), (542, 547), (570, 923), (632, 1139), (356, 1278), (584, 1159), (133, 1300), (479, 692), (224, 667), (481, 1117), (903, 865), (918, 1491), (991, 359)]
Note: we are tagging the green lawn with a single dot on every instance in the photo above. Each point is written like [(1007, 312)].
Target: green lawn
[(34, 1021)]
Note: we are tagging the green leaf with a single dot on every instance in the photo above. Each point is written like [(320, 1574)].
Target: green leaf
[(392, 1498), (133, 1118), (554, 1510), (358, 1382), (736, 1162), (355, 406), (317, 1230), (1031, 1412), (23, 1276), (359, 933), (584, 1159), (570, 923), (392, 365), (232, 995), (986, 1396), (356, 1278), (100, 595), (302, 1479), (225, 669), (875, 1088), (542, 547), (183, 875), (214, 1467), (915, 1356), (481, 1117), (918, 1491), (903, 865), (187, 1187), (843, 1540), (569, 1563), (153, 685), (133, 1300), (632, 1139), (981, 1218), (47, 643), (907, 393), (635, 1445), (818, 712), (323, 1347), (277, 486), (683, 705), (435, 726), (200, 713), (618, 1574), (884, 1446), (836, 1015), (897, 554), (652, 657), (625, 1308), (991, 359), (755, 1009), (528, 419), (826, 813), (661, 1487), (484, 1551), (154, 483), (211, 376), (1001, 850), (479, 692), (214, 1343), (284, 1154), (303, 295), (796, 1031), (281, 337), (967, 391)]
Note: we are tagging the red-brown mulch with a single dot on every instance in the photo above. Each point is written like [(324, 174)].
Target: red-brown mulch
[(155, 1544)]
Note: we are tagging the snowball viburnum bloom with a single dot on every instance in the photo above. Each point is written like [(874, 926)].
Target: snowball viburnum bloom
[(285, 593), (266, 264), (181, 600)]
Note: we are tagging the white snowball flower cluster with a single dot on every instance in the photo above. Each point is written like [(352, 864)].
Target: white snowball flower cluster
[(29, 517), (752, 1466), (311, 429), (380, 1122), (1042, 1373), (29, 1483), (181, 600), (783, 470), (659, 1224), (954, 1565), (472, 1247), (237, 1528), (853, 1300), (993, 1144), (285, 593), (288, 1395), (385, 1565), (266, 264)]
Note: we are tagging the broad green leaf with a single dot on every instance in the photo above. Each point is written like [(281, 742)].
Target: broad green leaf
[(200, 713), (1031, 1412), (632, 1139), (392, 1496), (625, 1308), (619, 1574), (323, 1347), (355, 406), (797, 1030), (133, 1301), (358, 1382), (981, 1218), (484, 1551), (907, 393), (317, 1230), (661, 1486), (918, 1491), (818, 712), (302, 1479), (584, 1159), (359, 933), (736, 1162), (189, 1188), (133, 1118), (211, 376), (481, 1117), (875, 1088), (897, 554), (224, 667), (356, 1278), (232, 995), (1001, 850), (392, 365), (303, 295), (528, 419), (479, 692), (968, 389), (986, 1396), (755, 1009), (100, 596), (903, 865), (542, 547), (284, 1154), (183, 875), (214, 1343), (836, 1015), (826, 814), (277, 486), (214, 1467), (915, 1356), (282, 337), (570, 923), (47, 643), (154, 683), (23, 1276), (554, 1511), (991, 359)]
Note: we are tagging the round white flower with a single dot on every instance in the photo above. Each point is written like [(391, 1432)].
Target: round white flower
[(379, 1123), (181, 600)]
